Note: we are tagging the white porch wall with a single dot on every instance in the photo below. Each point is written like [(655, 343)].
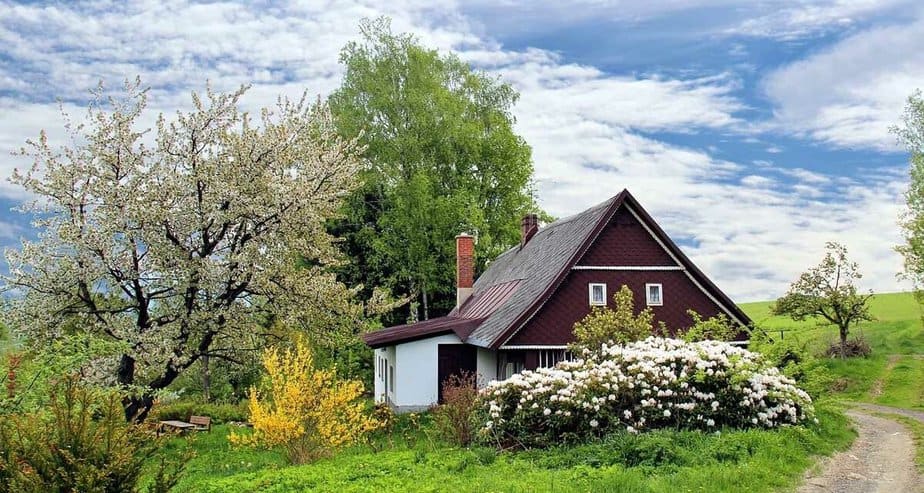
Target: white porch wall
[(416, 372), (378, 378), (390, 362), (486, 366)]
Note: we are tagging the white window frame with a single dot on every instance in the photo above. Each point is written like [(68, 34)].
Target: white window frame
[(590, 293), (648, 294)]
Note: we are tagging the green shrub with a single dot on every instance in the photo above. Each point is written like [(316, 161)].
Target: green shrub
[(183, 409), (795, 359), (605, 325), (454, 418), (717, 328), (82, 442)]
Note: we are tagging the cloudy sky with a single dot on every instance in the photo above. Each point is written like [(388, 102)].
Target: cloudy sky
[(753, 131)]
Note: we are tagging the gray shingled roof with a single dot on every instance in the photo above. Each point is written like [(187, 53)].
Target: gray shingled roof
[(523, 278), (536, 265)]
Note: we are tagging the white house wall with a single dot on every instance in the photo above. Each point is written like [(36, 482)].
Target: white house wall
[(383, 393), (416, 372), (486, 366), (378, 380)]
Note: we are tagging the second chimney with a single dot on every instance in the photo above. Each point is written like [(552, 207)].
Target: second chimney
[(465, 267), (528, 228)]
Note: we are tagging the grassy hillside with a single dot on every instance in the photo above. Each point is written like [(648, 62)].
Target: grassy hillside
[(893, 375)]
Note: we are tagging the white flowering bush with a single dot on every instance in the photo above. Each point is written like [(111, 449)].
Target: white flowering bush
[(654, 383)]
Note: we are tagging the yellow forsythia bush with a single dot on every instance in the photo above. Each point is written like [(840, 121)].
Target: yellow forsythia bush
[(307, 410)]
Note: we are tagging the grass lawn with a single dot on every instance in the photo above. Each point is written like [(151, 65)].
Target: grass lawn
[(893, 375), (406, 460)]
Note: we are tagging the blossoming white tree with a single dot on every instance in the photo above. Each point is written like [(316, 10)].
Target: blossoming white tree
[(174, 242)]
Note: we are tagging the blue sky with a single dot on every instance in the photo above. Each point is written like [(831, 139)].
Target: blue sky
[(753, 131)]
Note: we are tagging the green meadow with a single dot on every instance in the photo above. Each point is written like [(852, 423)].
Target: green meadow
[(893, 375)]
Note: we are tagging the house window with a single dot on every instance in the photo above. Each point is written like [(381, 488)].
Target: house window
[(510, 363), (550, 357), (597, 294), (653, 295), (392, 376)]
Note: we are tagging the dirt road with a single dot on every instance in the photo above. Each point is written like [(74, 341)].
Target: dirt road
[(881, 460)]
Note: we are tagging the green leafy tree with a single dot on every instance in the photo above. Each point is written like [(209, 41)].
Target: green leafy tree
[(618, 325), (442, 159), (717, 328), (828, 291), (911, 134)]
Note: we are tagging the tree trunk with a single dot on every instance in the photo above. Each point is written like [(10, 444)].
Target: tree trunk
[(206, 379), (843, 342), (426, 308), (136, 406)]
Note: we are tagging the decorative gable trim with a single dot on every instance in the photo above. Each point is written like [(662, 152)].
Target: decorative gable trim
[(685, 271), (628, 267)]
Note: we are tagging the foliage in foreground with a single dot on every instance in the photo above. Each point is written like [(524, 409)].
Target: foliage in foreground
[(755, 460), (620, 325), (306, 410), (81, 442), (795, 357), (651, 384)]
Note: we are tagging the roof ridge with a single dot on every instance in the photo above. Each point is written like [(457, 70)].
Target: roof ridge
[(578, 215)]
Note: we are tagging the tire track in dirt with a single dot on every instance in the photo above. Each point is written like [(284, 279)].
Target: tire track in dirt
[(876, 390)]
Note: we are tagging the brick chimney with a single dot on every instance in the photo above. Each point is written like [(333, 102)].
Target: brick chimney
[(528, 227), (465, 267)]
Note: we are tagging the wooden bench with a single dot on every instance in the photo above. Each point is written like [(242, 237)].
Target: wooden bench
[(172, 424), (201, 423)]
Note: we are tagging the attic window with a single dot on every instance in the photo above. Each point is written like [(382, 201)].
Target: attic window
[(597, 293), (653, 295)]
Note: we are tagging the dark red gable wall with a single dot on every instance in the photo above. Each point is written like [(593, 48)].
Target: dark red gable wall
[(554, 322), (625, 242)]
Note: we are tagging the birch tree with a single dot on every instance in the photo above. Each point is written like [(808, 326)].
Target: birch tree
[(174, 239)]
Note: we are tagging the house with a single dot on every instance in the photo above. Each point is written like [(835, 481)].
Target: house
[(521, 311)]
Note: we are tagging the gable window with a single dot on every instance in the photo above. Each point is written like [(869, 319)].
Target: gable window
[(653, 295), (597, 294)]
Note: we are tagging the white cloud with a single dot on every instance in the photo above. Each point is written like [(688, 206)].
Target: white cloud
[(788, 20), (849, 94), (755, 229)]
